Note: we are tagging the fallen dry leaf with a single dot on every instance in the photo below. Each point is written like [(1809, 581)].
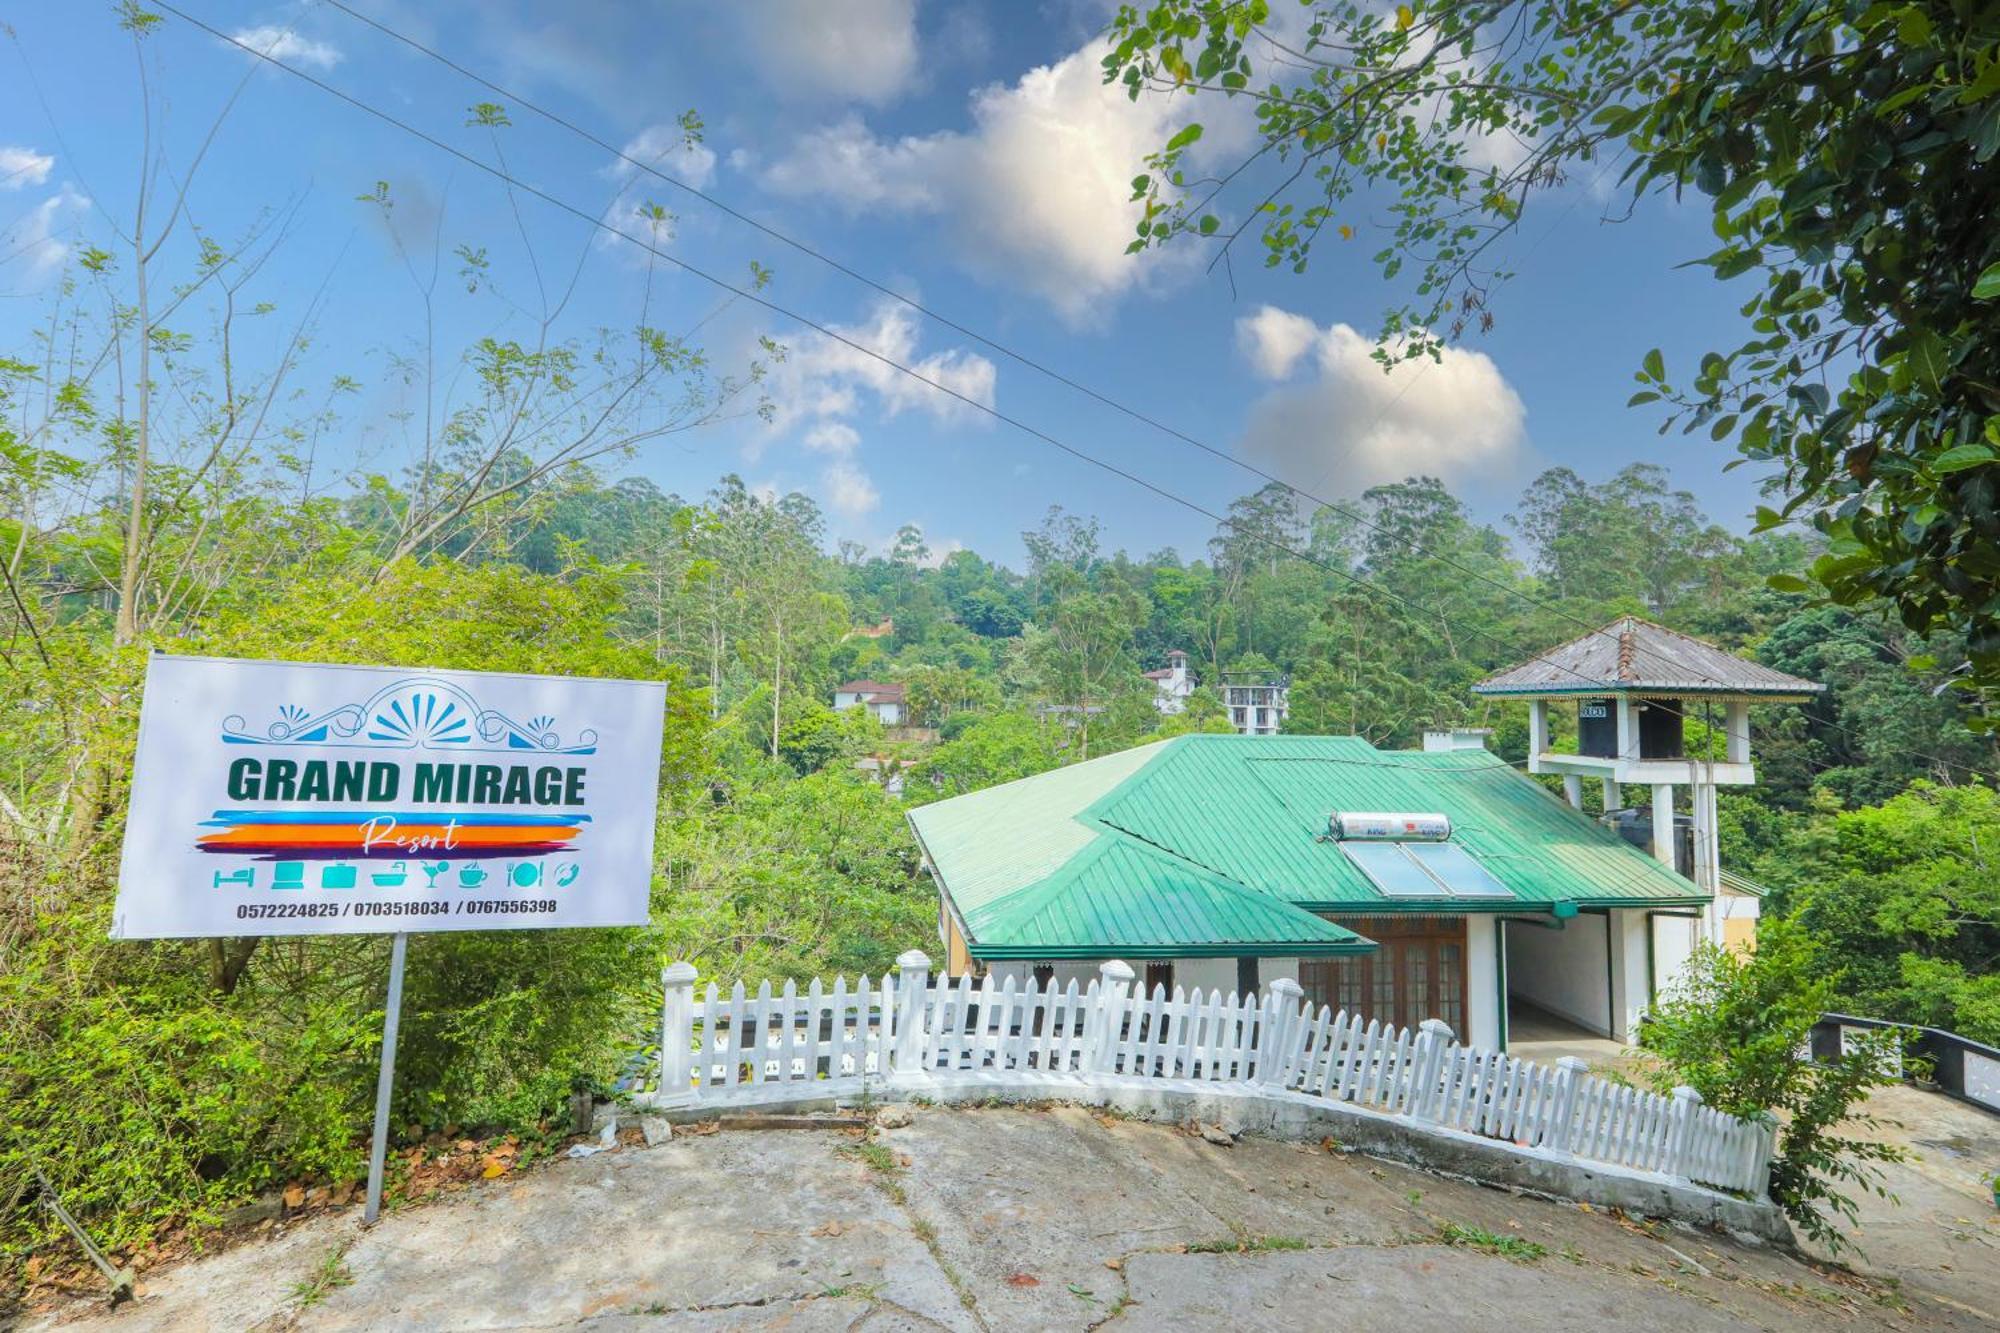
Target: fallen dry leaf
[(294, 1195), (1115, 1265), (1023, 1280), (833, 1228), (493, 1167)]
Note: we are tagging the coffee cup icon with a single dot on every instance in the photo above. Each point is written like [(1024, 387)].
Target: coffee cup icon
[(471, 877)]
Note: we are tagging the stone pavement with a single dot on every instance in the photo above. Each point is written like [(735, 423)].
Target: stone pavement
[(1002, 1219)]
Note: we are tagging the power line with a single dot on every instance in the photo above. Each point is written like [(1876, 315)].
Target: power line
[(825, 331), (652, 169), (946, 321)]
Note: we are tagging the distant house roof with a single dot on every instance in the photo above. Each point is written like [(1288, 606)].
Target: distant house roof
[(873, 691), (1213, 845), (1634, 656)]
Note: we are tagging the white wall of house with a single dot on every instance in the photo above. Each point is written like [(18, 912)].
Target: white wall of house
[(1630, 972), (1562, 971), (1673, 944), (1205, 974), (1482, 983)]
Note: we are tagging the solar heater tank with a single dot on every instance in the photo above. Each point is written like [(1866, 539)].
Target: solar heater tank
[(1388, 826)]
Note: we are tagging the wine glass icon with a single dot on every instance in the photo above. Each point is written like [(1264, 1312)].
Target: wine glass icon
[(432, 869)]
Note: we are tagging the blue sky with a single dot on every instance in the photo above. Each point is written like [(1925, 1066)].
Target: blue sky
[(964, 153)]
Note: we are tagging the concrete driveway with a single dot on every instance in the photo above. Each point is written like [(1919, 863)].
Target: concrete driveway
[(1001, 1219)]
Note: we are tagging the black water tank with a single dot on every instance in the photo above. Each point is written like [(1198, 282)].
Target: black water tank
[(1636, 827), (1597, 728)]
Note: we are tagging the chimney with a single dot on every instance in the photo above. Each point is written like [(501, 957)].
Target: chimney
[(1456, 738)]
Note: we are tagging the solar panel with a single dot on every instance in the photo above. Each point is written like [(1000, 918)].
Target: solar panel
[(1424, 870), (1458, 870), (1395, 874)]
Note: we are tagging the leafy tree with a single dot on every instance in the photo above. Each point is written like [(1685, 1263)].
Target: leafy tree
[(1845, 152), (987, 752), (1907, 896), (1733, 1029)]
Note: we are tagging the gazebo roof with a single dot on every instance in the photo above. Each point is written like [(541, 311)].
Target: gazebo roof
[(1634, 656)]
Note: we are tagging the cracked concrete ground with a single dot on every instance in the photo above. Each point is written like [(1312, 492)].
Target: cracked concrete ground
[(1002, 1219)]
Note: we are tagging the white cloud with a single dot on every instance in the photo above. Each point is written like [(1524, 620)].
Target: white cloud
[(35, 241), (1341, 424), (862, 50), (1036, 193), (286, 45), (824, 377), (846, 163), (832, 437), (1275, 339), (824, 383), (849, 491), (666, 147), (22, 167)]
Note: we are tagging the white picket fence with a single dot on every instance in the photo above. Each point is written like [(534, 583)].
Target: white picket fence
[(906, 1029)]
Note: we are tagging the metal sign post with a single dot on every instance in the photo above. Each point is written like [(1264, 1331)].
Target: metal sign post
[(391, 1019)]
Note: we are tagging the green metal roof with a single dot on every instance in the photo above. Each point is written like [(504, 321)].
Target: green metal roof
[(1213, 845), (1120, 896)]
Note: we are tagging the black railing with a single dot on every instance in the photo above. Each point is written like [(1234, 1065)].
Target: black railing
[(1960, 1067)]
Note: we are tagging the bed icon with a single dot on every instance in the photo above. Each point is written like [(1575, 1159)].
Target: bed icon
[(247, 877)]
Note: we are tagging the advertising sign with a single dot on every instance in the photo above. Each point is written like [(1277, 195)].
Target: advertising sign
[(280, 798)]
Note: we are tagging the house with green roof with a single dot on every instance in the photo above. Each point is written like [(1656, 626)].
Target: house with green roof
[(1400, 884)]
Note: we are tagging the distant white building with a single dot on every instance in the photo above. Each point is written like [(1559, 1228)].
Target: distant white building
[(1171, 684), (1257, 701), (884, 701)]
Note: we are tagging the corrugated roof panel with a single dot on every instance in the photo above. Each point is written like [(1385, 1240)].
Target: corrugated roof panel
[(1255, 809), (991, 843), (1121, 897), (1204, 841)]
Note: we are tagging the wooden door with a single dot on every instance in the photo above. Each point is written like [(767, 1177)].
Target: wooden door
[(1418, 973)]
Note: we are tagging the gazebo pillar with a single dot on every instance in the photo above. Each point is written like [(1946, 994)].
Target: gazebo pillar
[(1663, 823)]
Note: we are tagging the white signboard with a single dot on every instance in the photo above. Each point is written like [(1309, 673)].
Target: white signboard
[(279, 798)]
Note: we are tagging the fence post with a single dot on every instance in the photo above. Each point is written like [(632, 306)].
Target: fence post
[(1105, 1020), (1767, 1148), (1569, 1074), (1278, 1031), (913, 983), (677, 1035), (1680, 1132), (1433, 1040)]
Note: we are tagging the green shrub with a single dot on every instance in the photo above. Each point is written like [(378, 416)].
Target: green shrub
[(1734, 1029)]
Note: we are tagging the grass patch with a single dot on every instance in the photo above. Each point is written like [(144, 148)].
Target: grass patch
[(1491, 1242), (329, 1275), (1246, 1245), (875, 1156)]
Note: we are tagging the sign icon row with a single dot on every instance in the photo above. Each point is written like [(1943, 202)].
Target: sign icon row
[(397, 874)]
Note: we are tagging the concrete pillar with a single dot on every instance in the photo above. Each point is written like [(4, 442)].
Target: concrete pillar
[(1483, 1026), (913, 979), (1573, 790), (1628, 727), (1738, 715), (1608, 788), (1663, 823), (1631, 987), (677, 1066), (1538, 733)]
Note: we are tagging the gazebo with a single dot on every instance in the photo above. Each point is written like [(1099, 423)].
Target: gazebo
[(1635, 686)]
